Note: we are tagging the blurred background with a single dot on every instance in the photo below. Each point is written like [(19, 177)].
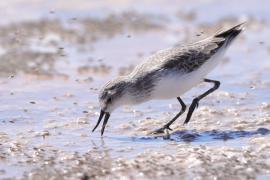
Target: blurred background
[(55, 55)]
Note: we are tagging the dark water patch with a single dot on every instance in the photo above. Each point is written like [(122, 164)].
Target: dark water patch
[(194, 136)]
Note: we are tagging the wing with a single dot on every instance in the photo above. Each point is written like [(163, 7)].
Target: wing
[(190, 58), (185, 58)]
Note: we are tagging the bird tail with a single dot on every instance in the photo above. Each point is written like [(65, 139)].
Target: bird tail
[(231, 33)]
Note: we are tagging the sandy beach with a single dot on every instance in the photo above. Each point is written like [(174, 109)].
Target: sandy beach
[(56, 56)]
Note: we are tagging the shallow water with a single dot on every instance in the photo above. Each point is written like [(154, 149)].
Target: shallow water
[(54, 59)]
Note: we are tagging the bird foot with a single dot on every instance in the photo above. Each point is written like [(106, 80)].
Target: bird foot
[(161, 130)]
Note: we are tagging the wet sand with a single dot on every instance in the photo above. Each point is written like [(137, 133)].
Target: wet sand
[(54, 61)]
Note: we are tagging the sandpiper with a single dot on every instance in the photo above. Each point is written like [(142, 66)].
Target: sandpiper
[(168, 74)]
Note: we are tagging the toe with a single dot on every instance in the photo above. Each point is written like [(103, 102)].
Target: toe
[(158, 131)]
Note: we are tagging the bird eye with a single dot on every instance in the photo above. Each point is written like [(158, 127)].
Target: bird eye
[(109, 100)]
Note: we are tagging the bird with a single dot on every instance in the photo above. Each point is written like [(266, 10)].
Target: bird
[(168, 74)]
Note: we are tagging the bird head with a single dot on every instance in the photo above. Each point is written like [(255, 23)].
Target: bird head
[(112, 96)]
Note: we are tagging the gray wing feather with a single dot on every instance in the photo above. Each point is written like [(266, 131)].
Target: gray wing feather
[(192, 57), (186, 59)]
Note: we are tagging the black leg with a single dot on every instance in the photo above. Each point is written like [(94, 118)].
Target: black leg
[(195, 102), (168, 124)]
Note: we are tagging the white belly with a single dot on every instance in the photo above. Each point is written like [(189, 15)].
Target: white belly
[(174, 85)]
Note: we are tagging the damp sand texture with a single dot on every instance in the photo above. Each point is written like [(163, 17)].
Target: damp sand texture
[(55, 57)]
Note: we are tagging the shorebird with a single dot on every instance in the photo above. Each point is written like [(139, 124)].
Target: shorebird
[(168, 74)]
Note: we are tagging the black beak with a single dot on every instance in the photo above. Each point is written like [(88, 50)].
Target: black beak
[(107, 116)]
